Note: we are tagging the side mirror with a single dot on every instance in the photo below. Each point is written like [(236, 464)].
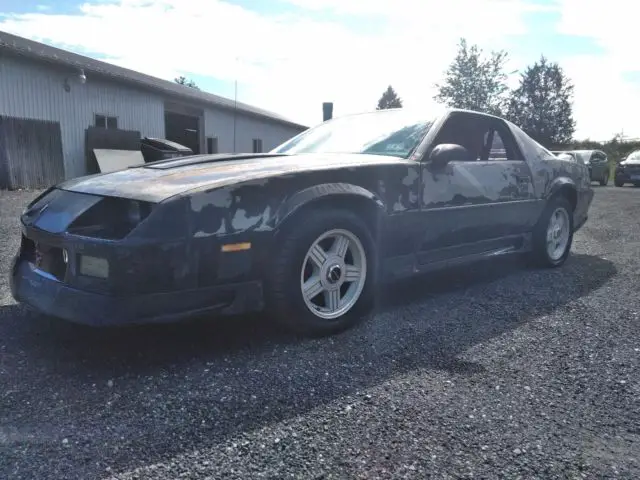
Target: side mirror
[(446, 152)]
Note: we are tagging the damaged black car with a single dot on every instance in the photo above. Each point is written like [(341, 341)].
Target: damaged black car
[(307, 232)]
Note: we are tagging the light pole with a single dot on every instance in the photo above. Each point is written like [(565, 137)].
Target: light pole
[(235, 104)]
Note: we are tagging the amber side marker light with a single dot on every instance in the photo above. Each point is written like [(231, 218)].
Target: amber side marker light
[(236, 247)]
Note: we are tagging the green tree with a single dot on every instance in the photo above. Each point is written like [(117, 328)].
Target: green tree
[(617, 148), (475, 82), (389, 99), (186, 82), (542, 104)]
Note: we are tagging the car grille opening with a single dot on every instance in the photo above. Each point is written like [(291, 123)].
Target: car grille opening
[(28, 249), (46, 258)]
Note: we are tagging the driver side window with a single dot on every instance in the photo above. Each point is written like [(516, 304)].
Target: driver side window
[(484, 138), (465, 130), (496, 148), (500, 144)]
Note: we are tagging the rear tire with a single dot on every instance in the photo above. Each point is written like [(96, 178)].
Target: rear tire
[(618, 183), (553, 234), (605, 179), (330, 254)]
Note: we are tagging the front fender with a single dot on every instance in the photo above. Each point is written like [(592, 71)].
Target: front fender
[(323, 191)]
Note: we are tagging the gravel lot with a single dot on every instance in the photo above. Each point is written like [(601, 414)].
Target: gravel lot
[(493, 372)]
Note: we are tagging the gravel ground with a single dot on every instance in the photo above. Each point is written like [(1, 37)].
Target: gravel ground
[(492, 372)]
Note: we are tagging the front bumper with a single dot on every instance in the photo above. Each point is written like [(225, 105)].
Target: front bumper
[(44, 293), (153, 272), (627, 177)]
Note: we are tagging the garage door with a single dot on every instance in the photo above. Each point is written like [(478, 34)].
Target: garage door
[(30, 153)]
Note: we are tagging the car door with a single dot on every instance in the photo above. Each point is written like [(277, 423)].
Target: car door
[(478, 204)]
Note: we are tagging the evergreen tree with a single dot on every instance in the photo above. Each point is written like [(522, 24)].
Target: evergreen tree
[(186, 82), (474, 82), (389, 99), (542, 104)]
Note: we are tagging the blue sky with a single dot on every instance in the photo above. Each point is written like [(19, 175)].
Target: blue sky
[(291, 55)]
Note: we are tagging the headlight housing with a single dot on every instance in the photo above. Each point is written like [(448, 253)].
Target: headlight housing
[(111, 218), (46, 196)]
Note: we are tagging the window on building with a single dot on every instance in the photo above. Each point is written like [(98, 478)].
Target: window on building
[(105, 121), (212, 144), (257, 145)]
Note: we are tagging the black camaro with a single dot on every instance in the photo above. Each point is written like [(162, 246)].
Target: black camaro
[(307, 231)]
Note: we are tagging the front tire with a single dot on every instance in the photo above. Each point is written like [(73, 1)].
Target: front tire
[(553, 234), (323, 276), (618, 183), (605, 179)]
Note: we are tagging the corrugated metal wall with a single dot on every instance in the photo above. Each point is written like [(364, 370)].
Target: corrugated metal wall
[(30, 153), (219, 123), (29, 90)]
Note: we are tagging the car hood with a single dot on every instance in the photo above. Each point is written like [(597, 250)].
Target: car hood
[(158, 181), (630, 162)]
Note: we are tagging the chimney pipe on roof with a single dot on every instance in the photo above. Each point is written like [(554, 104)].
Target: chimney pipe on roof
[(327, 111)]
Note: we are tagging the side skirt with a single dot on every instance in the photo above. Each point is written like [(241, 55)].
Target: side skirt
[(397, 268)]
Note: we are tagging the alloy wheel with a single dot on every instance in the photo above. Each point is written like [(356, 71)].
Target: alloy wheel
[(333, 274), (558, 234)]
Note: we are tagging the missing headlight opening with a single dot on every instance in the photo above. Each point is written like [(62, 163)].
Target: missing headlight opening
[(94, 266), (111, 218)]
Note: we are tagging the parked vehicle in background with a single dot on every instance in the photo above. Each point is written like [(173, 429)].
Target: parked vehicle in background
[(628, 170), (566, 155), (308, 230), (597, 163)]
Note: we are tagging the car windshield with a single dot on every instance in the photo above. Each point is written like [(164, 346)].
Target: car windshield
[(635, 156), (391, 132), (583, 156)]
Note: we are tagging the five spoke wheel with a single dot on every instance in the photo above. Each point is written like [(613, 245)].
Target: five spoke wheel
[(558, 232), (333, 274)]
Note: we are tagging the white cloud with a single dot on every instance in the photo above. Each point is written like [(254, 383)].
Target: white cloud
[(605, 103), (291, 63), (423, 10), (611, 24)]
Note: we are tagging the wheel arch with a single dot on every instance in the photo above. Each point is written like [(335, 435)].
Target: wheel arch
[(346, 196), (565, 187)]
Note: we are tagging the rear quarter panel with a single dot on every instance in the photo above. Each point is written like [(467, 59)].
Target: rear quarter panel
[(548, 170), (550, 173)]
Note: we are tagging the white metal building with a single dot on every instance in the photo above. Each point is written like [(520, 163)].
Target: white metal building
[(60, 95)]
